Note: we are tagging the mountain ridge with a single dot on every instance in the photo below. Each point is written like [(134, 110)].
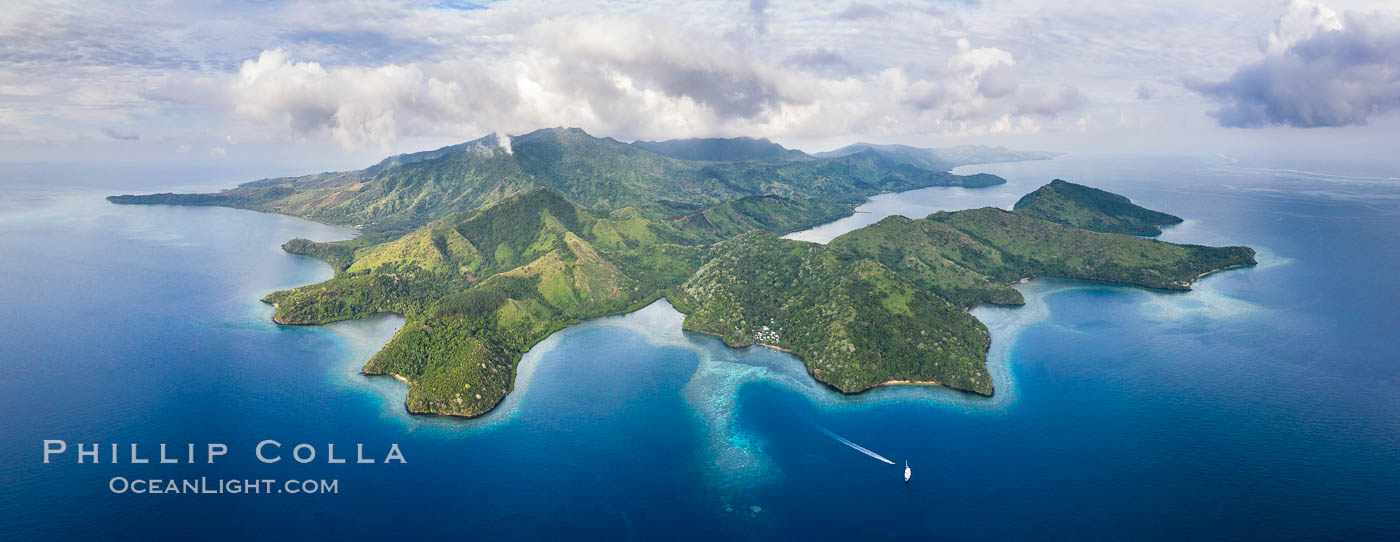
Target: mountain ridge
[(404, 192), (717, 149), (941, 159)]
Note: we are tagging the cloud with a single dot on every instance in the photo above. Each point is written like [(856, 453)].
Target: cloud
[(1049, 101), (966, 85), (368, 75), (758, 10), (626, 74), (1300, 21), (1083, 123), (363, 106), (998, 80), (1021, 124), (824, 61), (858, 10), (1318, 70), (611, 57), (631, 77), (121, 135), (1145, 92)]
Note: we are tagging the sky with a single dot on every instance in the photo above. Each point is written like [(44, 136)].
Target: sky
[(343, 84)]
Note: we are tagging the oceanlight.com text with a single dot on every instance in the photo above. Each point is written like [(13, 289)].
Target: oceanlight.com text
[(232, 486)]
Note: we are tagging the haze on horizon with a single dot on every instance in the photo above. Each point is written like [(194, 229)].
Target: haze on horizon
[(343, 84)]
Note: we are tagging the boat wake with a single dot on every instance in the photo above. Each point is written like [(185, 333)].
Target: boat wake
[(844, 440)]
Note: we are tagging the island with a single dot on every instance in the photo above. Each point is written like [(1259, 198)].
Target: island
[(404, 192), (1092, 209), (489, 247)]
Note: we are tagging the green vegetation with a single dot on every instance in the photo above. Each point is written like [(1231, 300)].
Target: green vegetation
[(855, 323), (885, 302), (488, 247), (405, 192), (479, 289), (1092, 209), (970, 257), (943, 159), (724, 149), (1030, 247), (881, 304), (339, 254), (772, 214), (934, 256)]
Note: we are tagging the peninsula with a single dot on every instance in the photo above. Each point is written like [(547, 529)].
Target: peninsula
[(488, 247)]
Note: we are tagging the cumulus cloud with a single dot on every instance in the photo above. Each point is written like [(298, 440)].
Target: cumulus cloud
[(1021, 124), (1318, 70), (635, 77), (365, 75), (998, 80), (1300, 21), (364, 106), (958, 87), (625, 74), (609, 57)]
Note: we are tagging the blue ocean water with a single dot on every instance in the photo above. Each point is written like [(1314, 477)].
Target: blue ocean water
[(1264, 404)]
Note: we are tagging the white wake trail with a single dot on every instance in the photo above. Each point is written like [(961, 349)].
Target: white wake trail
[(847, 442)]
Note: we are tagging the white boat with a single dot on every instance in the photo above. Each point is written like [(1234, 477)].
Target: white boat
[(907, 472)]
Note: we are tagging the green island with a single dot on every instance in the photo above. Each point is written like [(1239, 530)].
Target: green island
[(404, 192), (488, 247), (1092, 209)]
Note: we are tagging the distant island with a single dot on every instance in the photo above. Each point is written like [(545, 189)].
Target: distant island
[(488, 247), (940, 159)]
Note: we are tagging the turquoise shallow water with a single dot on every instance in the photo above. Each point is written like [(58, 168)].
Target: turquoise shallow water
[(1263, 404)]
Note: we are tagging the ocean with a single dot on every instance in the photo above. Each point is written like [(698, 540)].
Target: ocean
[(1264, 404)]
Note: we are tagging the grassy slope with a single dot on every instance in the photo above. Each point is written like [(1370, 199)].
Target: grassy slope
[(1092, 209), (479, 289)]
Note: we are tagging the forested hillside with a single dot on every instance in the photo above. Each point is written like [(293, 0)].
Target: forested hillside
[(488, 247), (405, 192), (1092, 209)]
